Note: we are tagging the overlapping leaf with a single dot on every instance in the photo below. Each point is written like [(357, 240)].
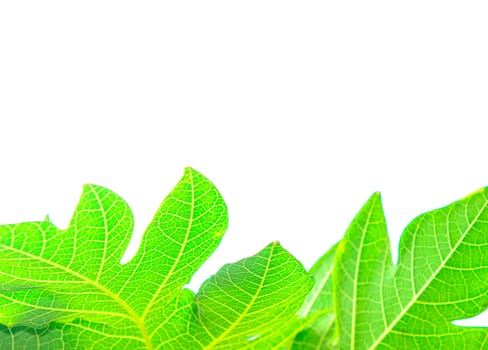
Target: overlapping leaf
[(442, 276), (68, 286), (319, 302), (249, 304), (66, 289)]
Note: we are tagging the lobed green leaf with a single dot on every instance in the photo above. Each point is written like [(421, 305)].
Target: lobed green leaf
[(69, 286), (442, 276), (66, 289)]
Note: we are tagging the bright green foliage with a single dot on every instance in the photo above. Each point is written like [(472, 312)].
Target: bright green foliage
[(442, 276), (69, 287), (66, 289), (320, 333), (244, 303)]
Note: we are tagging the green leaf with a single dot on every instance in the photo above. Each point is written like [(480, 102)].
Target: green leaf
[(251, 302), (320, 333), (69, 286), (442, 276), (66, 289)]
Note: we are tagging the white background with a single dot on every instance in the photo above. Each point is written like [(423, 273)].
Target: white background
[(297, 111)]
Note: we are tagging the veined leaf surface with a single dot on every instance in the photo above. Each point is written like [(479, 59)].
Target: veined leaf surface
[(249, 304), (319, 335), (68, 286), (442, 276)]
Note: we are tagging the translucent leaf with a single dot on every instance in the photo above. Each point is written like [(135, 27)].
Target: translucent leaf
[(319, 334), (442, 276), (68, 285), (251, 302)]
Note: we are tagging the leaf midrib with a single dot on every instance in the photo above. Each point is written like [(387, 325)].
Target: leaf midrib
[(356, 274), (248, 307), (427, 283), (95, 312), (106, 230), (180, 253), (317, 292)]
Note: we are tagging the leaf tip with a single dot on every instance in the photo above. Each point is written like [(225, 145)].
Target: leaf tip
[(274, 245), (87, 187), (190, 173), (480, 191), (189, 169), (375, 198)]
